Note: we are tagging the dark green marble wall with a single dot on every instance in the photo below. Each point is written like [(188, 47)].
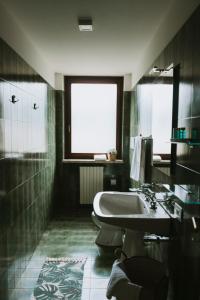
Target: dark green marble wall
[(183, 255), (27, 164), (183, 52)]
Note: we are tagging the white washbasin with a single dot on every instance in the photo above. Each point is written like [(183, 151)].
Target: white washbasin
[(130, 211), (113, 203)]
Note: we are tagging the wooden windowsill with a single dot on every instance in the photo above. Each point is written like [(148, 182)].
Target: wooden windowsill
[(92, 161), (161, 163)]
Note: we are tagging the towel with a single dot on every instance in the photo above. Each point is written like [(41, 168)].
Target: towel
[(157, 158), (120, 285), (136, 159), (101, 157)]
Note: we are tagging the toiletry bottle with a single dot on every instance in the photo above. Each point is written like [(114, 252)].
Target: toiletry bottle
[(177, 133), (183, 133)]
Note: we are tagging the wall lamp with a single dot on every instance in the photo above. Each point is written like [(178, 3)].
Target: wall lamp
[(157, 70), (162, 71)]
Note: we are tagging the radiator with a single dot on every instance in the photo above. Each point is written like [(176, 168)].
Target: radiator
[(91, 182)]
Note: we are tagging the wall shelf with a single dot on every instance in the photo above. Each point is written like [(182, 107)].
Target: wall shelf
[(189, 142)]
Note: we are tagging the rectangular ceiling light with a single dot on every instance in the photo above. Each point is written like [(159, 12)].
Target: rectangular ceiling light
[(85, 24)]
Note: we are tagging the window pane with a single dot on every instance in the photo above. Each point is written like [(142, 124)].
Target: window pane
[(162, 118), (93, 117)]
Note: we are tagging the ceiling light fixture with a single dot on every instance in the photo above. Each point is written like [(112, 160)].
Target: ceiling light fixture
[(85, 24)]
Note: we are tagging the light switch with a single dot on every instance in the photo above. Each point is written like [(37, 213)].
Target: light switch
[(113, 181)]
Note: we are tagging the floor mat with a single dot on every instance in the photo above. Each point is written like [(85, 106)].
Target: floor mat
[(60, 279)]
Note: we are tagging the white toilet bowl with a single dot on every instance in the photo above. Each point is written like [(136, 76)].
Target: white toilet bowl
[(96, 221), (108, 235)]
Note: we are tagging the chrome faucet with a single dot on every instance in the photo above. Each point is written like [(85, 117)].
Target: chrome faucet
[(153, 202), (149, 195), (146, 192), (169, 197)]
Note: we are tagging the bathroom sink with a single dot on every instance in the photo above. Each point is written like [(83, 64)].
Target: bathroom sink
[(121, 203), (130, 210)]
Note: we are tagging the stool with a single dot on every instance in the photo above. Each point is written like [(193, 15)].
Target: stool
[(138, 278)]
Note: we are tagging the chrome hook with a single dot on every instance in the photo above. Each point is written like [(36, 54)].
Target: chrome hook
[(13, 99), (35, 106)]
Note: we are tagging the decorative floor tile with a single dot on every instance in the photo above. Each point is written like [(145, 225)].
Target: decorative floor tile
[(21, 294), (27, 283), (85, 294), (72, 237), (99, 283), (98, 294), (86, 283), (31, 273)]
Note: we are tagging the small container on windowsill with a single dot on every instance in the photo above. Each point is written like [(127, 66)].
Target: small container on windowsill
[(112, 155)]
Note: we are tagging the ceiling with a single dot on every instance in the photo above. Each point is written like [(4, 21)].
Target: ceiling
[(124, 30)]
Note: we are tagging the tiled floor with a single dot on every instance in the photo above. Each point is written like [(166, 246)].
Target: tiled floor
[(74, 237)]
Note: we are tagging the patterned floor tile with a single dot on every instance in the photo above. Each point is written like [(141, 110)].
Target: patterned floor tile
[(85, 294), (98, 294), (31, 273), (71, 237), (21, 294), (99, 283), (27, 283)]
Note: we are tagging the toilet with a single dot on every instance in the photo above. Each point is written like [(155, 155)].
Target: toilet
[(108, 235)]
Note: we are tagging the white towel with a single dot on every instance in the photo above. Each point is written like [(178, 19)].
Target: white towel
[(100, 157), (120, 286), (157, 158), (136, 159)]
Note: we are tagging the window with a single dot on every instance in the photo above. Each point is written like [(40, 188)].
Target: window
[(162, 118), (155, 114), (93, 108)]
